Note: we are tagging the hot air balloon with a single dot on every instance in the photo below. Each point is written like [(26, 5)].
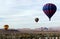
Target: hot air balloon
[(6, 27), (36, 19), (49, 9)]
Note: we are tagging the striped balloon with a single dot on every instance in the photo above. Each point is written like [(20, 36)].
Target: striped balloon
[(49, 9)]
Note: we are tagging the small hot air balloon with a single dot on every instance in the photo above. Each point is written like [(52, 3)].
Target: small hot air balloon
[(36, 19), (49, 9), (6, 27)]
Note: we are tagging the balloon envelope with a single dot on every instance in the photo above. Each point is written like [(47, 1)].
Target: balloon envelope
[(36, 19), (49, 9), (6, 27)]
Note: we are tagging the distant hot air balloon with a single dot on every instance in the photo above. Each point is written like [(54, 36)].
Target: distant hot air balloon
[(49, 9), (36, 19), (6, 27)]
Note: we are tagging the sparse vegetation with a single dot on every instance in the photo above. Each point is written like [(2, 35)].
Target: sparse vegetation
[(34, 35)]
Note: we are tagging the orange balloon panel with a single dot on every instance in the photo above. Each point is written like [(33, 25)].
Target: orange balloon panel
[(6, 28)]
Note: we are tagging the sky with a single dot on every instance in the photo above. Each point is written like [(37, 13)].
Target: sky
[(22, 14)]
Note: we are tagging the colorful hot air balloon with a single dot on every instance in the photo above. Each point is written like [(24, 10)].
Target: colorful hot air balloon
[(6, 27), (36, 19), (49, 9)]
